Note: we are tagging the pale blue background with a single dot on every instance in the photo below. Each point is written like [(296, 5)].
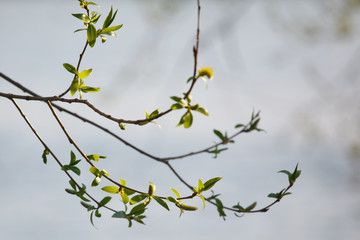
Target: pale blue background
[(289, 60)]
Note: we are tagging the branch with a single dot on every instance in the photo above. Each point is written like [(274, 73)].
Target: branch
[(52, 153)]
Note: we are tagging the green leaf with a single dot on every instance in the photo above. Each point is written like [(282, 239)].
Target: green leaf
[(110, 29), (176, 106), (108, 19), (82, 17), (94, 170), (81, 29), (203, 111), (171, 199), (186, 119), (70, 68), (251, 207), (120, 214), (203, 199), (74, 86), (96, 182), (220, 208), (138, 209), (186, 207), (91, 35), (200, 185), (97, 213), (45, 153), (92, 3), (210, 183), (274, 195), (104, 201), (239, 207), (239, 125), (110, 189), (75, 170), (219, 134), (89, 207), (189, 79), (70, 191), (104, 172), (88, 89), (176, 192), (94, 17), (95, 157), (72, 158), (137, 198), (72, 184), (124, 197), (161, 202), (154, 113), (176, 99), (84, 74)]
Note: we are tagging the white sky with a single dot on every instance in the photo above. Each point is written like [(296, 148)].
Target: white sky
[(302, 86)]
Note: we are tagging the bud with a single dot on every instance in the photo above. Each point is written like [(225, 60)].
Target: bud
[(186, 207), (152, 188)]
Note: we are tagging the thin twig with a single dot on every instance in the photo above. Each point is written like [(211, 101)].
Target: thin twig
[(52, 153)]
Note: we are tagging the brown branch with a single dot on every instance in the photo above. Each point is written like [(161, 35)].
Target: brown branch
[(78, 65), (52, 153)]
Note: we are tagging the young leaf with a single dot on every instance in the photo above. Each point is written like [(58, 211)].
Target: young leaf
[(76, 170), (73, 192), (120, 214), (176, 99), (91, 35), (176, 106), (251, 207), (87, 89), (203, 200), (110, 189), (45, 153), (171, 199), (84, 74), (210, 183), (220, 208), (176, 192), (95, 157), (203, 111), (70, 68), (186, 207), (89, 207), (219, 134), (110, 29), (94, 170), (124, 197), (200, 185), (108, 19), (105, 200), (74, 86), (82, 17), (96, 182), (138, 209), (161, 202), (137, 198), (238, 206)]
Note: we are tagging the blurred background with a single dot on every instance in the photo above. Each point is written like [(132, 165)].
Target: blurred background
[(295, 61)]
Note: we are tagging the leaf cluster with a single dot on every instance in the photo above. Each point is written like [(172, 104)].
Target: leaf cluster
[(187, 118), (72, 165)]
